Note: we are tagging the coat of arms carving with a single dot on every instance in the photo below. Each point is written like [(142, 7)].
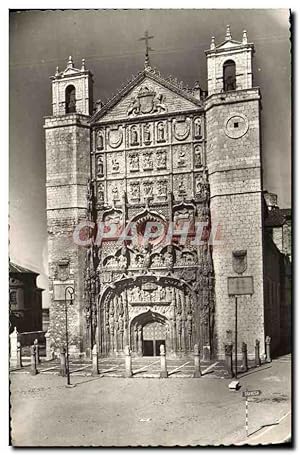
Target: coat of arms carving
[(115, 136), (239, 261), (147, 101), (181, 129)]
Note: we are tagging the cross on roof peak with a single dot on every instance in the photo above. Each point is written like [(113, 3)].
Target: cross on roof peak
[(146, 38)]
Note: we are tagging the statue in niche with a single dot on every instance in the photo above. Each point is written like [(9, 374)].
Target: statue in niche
[(148, 163), (181, 158), (168, 258), (161, 159), (100, 166), (148, 189), (157, 261), (134, 135), (115, 193), (162, 187), (139, 261), (161, 132), (134, 162), (89, 196), (147, 133), (198, 128), (181, 188), (99, 140), (100, 192), (135, 190), (131, 294), (199, 159), (162, 294), (122, 262), (115, 165)]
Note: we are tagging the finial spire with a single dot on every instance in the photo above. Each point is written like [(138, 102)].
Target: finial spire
[(245, 38), (57, 71), (70, 62), (212, 43), (83, 64), (146, 38), (228, 33)]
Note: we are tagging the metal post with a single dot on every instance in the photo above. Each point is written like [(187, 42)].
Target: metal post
[(63, 366), (246, 423), (268, 349), (257, 356), (228, 359), (245, 357), (37, 351), (71, 291), (33, 369), (236, 335), (19, 355)]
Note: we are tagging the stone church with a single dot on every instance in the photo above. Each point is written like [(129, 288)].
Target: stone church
[(159, 153)]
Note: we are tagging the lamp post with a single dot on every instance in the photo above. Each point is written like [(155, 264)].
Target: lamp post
[(68, 290)]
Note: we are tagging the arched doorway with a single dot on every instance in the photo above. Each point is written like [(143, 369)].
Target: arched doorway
[(148, 331)]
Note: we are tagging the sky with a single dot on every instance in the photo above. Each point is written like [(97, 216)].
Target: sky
[(108, 40)]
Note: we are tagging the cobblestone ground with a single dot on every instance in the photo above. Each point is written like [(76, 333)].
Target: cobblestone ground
[(104, 411)]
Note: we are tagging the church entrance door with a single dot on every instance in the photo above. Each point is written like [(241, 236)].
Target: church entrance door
[(154, 334)]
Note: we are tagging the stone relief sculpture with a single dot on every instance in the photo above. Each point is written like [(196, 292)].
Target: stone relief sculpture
[(162, 186), (181, 158), (99, 140), (199, 156), (147, 134), (134, 162), (181, 129), (115, 165), (161, 159), (148, 162), (197, 128), (134, 136), (161, 132), (99, 166), (115, 136), (100, 193), (147, 101), (135, 190)]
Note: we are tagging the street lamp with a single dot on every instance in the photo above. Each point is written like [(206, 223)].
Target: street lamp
[(70, 290)]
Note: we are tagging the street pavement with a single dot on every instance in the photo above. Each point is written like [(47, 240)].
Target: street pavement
[(104, 411)]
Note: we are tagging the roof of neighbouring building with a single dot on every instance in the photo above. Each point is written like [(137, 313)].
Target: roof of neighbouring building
[(277, 217), (14, 268)]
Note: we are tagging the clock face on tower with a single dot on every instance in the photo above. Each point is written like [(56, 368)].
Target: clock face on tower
[(236, 126)]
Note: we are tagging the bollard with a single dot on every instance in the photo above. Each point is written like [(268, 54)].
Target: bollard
[(197, 371), (19, 355), (63, 364), (37, 351), (163, 362), (257, 357), (244, 357), (228, 359), (128, 367), (13, 337), (268, 349), (33, 368), (206, 352), (95, 368), (48, 347)]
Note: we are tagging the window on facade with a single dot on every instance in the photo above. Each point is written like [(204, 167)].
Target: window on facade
[(229, 76), (70, 99), (13, 299)]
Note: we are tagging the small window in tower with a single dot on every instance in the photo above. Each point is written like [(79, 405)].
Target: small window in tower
[(229, 79), (70, 99), (235, 124)]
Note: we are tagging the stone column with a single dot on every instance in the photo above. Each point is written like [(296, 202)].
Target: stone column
[(48, 347), (163, 362), (268, 349), (63, 365), (37, 351), (13, 348), (128, 365), (95, 368), (228, 359), (244, 357), (257, 356), (19, 355), (197, 371), (33, 368)]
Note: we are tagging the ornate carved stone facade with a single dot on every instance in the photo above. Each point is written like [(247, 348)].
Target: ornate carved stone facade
[(157, 152)]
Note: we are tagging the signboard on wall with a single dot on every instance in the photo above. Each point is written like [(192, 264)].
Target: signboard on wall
[(240, 285)]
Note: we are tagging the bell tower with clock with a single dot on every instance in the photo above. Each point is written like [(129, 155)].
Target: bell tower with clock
[(235, 175)]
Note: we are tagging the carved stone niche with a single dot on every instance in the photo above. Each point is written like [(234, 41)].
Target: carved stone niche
[(134, 136), (134, 164), (162, 189), (198, 128), (147, 161), (100, 139), (99, 166), (161, 159), (199, 158), (134, 191), (161, 132), (63, 270), (147, 133)]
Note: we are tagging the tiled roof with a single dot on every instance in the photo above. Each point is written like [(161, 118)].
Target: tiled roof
[(14, 268)]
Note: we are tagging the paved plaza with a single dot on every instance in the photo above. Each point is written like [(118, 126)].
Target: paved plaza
[(114, 411)]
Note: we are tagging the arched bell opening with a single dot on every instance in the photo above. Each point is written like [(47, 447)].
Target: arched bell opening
[(148, 332)]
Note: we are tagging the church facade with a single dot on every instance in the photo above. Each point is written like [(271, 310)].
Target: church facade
[(154, 200)]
